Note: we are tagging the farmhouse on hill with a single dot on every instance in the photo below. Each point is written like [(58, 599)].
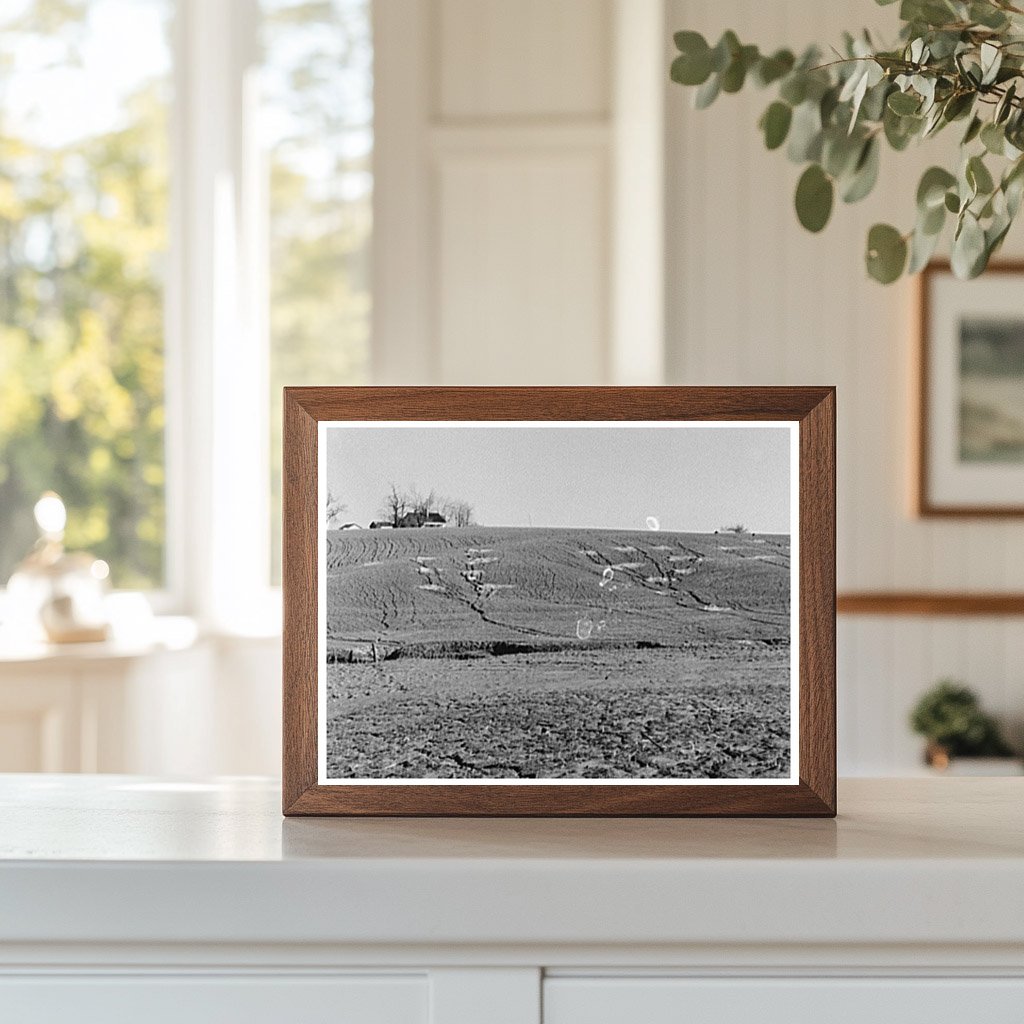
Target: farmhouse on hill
[(417, 519)]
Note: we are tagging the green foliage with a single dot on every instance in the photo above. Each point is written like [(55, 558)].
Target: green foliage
[(775, 124), (82, 233), (814, 194), (887, 253), (949, 716), (956, 60)]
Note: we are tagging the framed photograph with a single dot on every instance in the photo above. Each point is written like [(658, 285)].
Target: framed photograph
[(559, 601), (970, 450)]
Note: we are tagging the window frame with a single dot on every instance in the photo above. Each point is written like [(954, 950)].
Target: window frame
[(217, 346)]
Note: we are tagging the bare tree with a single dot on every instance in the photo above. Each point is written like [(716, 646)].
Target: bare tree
[(737, 529), (335, 511), (396, 504), (414, 503), (422, 504), (458, 513)]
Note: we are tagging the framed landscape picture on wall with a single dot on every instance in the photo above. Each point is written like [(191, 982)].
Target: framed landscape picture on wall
[(970, 450), (510, 601)]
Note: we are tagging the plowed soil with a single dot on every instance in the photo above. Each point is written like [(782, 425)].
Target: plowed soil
[(543, 653)]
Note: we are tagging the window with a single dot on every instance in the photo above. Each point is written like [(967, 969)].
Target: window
[(317, 118), (185, 221), (83, 235)]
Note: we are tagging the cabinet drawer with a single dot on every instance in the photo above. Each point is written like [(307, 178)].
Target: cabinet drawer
[(202, 999), (782, 1001)]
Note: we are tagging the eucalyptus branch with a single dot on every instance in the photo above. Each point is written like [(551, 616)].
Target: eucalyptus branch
[(955, 59)]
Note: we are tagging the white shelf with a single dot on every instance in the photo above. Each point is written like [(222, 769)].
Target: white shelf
[(162, 633), (127, 897), (125, 860)]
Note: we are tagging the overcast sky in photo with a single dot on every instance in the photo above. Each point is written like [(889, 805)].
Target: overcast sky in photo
[(689, 478)]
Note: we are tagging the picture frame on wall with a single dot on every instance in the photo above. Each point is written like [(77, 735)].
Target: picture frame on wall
[(970, 416), (559, 601)]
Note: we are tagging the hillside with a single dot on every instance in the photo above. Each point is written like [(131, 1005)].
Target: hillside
[(446, 592)]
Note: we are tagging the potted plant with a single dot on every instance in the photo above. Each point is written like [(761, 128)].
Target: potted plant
[(956, 62), (950, 718)]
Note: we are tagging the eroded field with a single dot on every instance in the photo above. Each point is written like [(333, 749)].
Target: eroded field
[(582, 714), (509, 653)]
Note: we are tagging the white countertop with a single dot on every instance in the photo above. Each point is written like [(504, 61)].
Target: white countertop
[(122, 859)]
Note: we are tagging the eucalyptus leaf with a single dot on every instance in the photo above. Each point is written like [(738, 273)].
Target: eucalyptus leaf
[(987, 15), (931, 190), (966, 187), (794, 88), (735, 74), (933, 122), (814, 196), (944, 44), (900, 130), (922, 248), (827, 106), (865, 173), (724, 51), (903, 103), (886, 253), (930, 12), (805, 133), (932, 221), (958, 105), (1013, 187), (968, 247), (873, 107), (867, 74), (993, 138), (973, 130), (691, 70), (978, 176), (775, 124), (707, 93), (771, 69), (925, 87), (1014, 192), (1005, 105), (991, 60), (840, 152)]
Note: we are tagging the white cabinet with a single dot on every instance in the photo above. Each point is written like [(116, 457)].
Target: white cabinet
[(174, 704), (203, 999), (129, 899), (102, 707), (830, 1000)]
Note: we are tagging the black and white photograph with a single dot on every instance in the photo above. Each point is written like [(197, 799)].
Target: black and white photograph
[(569, 601)]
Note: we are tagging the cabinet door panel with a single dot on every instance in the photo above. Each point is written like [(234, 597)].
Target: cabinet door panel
[(782, 1001), (202, 999)]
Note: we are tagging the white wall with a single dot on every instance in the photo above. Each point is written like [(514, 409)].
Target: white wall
[(501, 151), (754, 299)]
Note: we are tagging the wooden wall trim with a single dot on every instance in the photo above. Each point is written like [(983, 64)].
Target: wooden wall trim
[(929, 603)]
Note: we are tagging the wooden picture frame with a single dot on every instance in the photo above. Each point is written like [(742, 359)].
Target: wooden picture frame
[(942, 488), (809, 414)]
